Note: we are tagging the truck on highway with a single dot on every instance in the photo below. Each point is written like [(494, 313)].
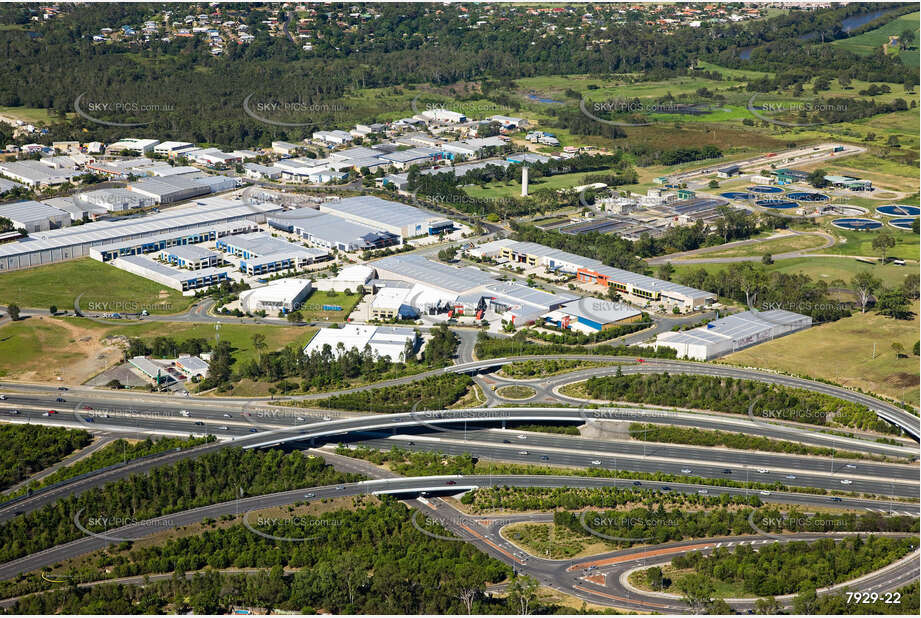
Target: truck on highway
[(184, 413)]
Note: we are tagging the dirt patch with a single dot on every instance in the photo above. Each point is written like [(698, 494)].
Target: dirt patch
[(904, 379)]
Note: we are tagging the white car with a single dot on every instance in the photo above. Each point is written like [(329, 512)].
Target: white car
[(765, 492), (596, 462), (521, 436), (522, 452), (685, 470), (223, 427), (702, 491), (327, 418), (762, 471), (300, 418), (790, 476), (2, 397), (851, 466), (845, 482), (226, 415)]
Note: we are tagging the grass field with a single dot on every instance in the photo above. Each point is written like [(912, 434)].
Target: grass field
[(820, 268), (842, 351), (312, 307), (554, 542), (31, 115), (515, 391), (851, 242), (77, 349), (773, 246), (868, 42), (104, 289)]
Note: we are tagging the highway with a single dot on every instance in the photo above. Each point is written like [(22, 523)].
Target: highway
[(559, 574)]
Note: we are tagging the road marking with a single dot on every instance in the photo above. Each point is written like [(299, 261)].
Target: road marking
[(617, 598)]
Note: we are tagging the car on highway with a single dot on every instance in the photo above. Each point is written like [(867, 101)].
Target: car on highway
[(665, 488), (762, 471), (521, 436), (327, 418), (765, 492), (451, 483), (506, 441), (199, 423), (851, 466), (522, 452), (310, 495), (300, 418), (87, 407), (685, 470), (846, 481), (836, 499), (596, 462), (253, 430), (60, 400), (702, 491), (2, 397), (52, 411), (89, 419), (791, 477), (340, 487), (727, 471), (223, 428), (544, 458), (227, 415), (62, 388), (14, 412), (637, 483)]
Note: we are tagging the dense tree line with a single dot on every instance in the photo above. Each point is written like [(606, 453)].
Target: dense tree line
[(413, 463), (116, 452), (27, 449), (660, 525), (786, 568), (518, 345), (757, 288), (771, 401), (372, 561), (543, 367), (432, 393), (705, 437), (837, 604), (211, 478)]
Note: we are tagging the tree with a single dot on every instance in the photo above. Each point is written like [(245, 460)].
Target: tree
[(698, 591), (883, 242), (805, 602), (259, 343), (899, 349), (713, 184), (767, 607), (522, 594), (665, 271), (893, 303), (53, 309), (817, 179), (751, 281), (13, 311), (767, 259), (295, 316), (907, 38), (865, 284), (844, 80)]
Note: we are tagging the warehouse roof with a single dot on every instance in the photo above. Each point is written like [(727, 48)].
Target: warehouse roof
[(333, 229), (189, 252), (382, 211), (177, 274), (418, 268), (209, 212), (600, 311), (28, 210), (528, 296)]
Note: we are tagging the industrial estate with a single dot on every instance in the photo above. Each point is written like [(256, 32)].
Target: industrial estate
[(405, 330)]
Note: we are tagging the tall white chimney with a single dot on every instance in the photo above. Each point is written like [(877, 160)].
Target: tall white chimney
[(524, 181)]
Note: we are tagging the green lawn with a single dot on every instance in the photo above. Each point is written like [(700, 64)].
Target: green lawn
[(312, 307), (30, 114), (773, 246), (104, 288), (240, 336), (819, 268), (868, 42), (861, 243), (843, 352)]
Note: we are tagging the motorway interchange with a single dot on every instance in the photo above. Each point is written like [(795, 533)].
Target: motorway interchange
[(489, 433)]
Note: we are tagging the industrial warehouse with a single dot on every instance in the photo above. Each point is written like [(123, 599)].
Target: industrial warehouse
[(106, 240), (633, 286), (732, 333)]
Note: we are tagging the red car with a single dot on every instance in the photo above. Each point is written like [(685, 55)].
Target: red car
[(452, 482), (52, 411)]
